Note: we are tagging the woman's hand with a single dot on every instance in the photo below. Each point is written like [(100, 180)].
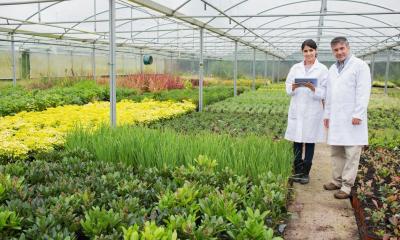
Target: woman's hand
[(294, 86), (310, 86)]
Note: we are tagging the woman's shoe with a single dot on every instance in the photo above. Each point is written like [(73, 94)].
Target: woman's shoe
[(297, 177), (305, 179)]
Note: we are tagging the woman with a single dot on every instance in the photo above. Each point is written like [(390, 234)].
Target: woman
[(305, 118)]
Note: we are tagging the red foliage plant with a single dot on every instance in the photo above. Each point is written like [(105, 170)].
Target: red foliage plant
[(147, 82)]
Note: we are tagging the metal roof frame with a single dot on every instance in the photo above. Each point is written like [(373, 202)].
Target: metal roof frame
[(269, 37)]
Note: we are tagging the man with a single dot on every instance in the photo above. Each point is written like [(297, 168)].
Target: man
[(345, 116)]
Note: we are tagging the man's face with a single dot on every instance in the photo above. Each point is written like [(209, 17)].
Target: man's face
[(341, 51)]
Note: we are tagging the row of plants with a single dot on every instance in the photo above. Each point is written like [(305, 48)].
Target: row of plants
[(263, 101), (384, 120), (211, 94), (14, 100), (262, 112), (240, 82), (217, 81), (73, 195), (147, 82), (381, 84), (135, 145), (232, 123), (377, 187), (27, 133)]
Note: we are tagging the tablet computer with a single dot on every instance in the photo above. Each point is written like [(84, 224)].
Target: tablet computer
[(302, 81)]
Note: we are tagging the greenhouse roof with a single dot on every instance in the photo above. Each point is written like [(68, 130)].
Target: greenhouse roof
[(274, 27)]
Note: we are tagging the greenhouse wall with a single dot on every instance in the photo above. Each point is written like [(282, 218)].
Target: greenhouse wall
[(77, 64), (43, 64)]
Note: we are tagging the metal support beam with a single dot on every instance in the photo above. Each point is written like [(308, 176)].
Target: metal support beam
[(14, 70), (152, 5), (201, 70), (279, 71), (372, 66), (235, 72), (71, 58), (131, 23), (387, 69), (95, 14), (123, 64), (253, 85), (273, 69), (94, 62), (321, 19), (48, 63), (265, 68), (113, 57), (141, 61), (39, 13), (155, 66), (29, 2), (171, 69)]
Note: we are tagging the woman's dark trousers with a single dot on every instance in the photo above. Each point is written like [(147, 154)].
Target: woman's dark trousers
[(300, 166)]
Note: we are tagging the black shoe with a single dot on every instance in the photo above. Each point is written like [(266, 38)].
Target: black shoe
[(305, 179), (297, 177)]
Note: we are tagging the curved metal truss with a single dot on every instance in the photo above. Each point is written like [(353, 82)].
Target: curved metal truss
[(275, 28)]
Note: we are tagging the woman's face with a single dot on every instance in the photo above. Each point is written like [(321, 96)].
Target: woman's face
[(309, 54)]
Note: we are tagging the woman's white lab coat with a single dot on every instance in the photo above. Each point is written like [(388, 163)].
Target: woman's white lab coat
[(305, 117), (348, 95)]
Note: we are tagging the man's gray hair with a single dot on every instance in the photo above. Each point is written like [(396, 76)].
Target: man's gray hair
[(337, 40)]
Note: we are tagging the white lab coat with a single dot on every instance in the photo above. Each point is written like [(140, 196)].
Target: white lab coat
[(348, 95), (305, 117)]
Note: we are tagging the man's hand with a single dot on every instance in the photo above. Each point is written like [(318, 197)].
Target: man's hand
[(294, 86), (356, 121), (310, 86), (326, 123)]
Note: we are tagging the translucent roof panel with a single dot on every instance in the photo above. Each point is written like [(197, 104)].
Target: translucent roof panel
[(275, 27)]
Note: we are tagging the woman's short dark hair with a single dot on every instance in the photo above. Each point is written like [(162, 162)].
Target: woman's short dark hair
[(310, 43)]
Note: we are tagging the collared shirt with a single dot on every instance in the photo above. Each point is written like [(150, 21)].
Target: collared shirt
[(307, 68), (340, 65)]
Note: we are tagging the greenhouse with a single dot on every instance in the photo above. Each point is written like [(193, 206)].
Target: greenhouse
[(189, 119)]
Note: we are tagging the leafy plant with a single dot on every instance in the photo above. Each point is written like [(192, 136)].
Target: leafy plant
[(150, 232), (253, 227), (9, 221), (99, 221)]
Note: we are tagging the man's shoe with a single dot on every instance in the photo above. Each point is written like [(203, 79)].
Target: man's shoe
[(331, 187), (305, 179), (341, 195)]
